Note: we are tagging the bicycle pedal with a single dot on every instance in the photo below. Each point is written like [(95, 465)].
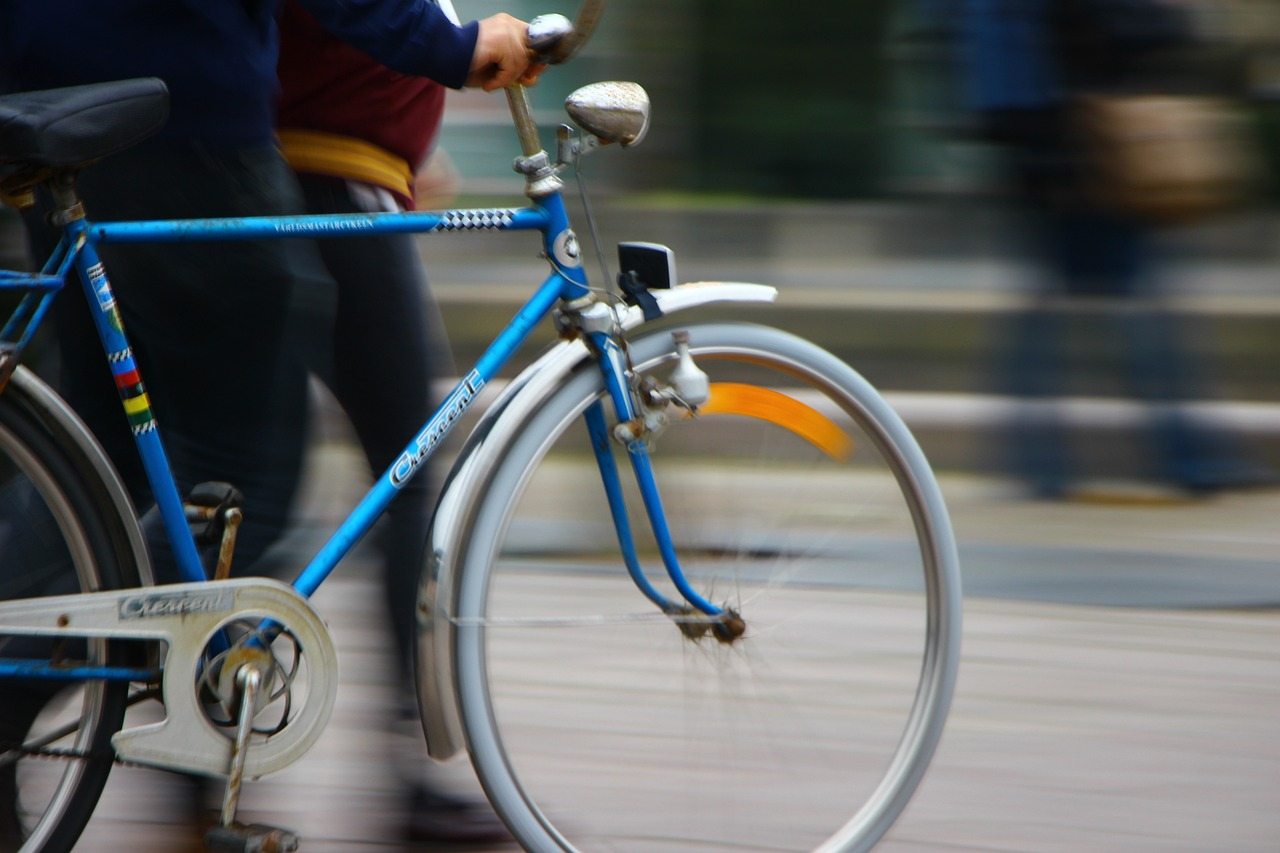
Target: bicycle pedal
[(206, 507), (250, 838)]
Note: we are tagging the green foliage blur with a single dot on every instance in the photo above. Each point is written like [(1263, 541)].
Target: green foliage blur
[(791, 99), (750, 98), (815, 100)]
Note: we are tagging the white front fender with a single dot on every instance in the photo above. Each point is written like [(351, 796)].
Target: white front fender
[(437, 697)]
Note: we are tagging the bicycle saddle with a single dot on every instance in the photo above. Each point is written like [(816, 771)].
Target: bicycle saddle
[(71, 126)]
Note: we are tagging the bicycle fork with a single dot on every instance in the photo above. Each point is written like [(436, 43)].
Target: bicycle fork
[(639, 413)]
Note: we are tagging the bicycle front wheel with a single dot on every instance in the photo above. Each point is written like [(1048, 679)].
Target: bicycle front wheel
[(65, 527), (797, 499)]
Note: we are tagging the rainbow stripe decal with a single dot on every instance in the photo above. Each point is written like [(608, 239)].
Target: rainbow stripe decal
[(137, 405)]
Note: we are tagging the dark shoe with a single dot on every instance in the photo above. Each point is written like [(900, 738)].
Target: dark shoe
[(440, 818)]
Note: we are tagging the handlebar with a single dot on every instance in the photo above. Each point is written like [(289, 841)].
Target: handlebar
[(554, 39)]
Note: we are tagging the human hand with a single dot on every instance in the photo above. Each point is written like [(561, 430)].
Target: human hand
[(502, 55)]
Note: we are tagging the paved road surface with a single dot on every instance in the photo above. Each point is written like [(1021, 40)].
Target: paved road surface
[(1119, 691)]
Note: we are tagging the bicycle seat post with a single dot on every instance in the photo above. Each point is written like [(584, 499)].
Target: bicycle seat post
[(68, 207)]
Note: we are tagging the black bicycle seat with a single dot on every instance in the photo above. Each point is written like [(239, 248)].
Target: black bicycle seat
[(68, 127)]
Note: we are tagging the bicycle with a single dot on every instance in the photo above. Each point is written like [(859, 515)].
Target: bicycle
[(830, 616)]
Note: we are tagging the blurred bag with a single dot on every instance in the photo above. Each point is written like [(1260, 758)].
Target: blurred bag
[(1164, 158)]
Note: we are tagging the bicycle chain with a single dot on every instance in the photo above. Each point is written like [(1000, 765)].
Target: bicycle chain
[(57, 752)]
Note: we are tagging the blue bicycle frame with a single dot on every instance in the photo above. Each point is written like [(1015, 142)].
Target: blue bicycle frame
[(566, 282)]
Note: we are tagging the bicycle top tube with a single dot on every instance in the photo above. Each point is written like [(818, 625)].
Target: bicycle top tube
[(547, 215), (321, 225)]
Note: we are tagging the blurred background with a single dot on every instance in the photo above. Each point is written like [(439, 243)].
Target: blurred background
[(837, 155)]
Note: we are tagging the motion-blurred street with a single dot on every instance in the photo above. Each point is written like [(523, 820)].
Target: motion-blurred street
[(1119, 690)]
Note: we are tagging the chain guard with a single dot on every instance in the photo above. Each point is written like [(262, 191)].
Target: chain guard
[(185, 618)]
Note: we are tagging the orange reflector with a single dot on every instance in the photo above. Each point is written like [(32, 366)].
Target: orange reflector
[(732, 398)]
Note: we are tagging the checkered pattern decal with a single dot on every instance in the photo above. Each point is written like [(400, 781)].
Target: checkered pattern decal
[(475, 220)]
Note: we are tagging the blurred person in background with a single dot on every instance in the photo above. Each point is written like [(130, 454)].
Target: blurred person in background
[(207, 316), (357, 133), (1028, 63)]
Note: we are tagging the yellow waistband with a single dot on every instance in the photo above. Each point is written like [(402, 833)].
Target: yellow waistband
[(320, 153)]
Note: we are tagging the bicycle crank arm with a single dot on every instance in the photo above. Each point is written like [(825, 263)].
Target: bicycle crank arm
[(186, 618)]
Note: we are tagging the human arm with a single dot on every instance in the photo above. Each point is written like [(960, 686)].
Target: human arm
[(417, 37)]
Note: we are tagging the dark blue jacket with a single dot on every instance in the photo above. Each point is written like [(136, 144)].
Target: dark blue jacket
[(218, 57)]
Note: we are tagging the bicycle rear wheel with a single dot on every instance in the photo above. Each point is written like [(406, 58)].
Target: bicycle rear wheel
[(65, 526), (799, 500)]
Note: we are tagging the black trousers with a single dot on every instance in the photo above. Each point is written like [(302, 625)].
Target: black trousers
[(388, 345), (213, 325)]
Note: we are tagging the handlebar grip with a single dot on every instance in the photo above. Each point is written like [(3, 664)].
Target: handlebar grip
[(555, 39), (547, 36)]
